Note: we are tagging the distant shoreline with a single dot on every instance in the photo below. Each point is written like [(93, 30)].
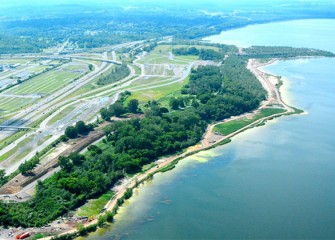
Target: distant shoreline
[(206, 39)]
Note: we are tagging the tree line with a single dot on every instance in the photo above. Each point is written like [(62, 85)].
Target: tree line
[(284, 52)]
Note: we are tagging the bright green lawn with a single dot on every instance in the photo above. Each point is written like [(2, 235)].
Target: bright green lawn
[(232, 126), (162, 93), (93, 207)]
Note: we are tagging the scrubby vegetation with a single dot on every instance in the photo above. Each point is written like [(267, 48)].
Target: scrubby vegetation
[(118, 73), (118, 109)]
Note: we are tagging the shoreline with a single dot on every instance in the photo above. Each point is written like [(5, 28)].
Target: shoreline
[(168, 163)]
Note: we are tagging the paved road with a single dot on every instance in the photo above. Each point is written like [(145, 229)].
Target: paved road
[(50, 104)]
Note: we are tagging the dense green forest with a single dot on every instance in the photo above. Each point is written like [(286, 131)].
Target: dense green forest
[(225, 91), (213, 93), (129, 145), (11, 45), (284, 52), (118, 73)]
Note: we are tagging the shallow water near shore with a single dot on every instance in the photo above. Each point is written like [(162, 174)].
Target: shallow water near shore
[(274, 181)]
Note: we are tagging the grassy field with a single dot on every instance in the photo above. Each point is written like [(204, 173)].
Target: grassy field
[(11, 138), (61, 115), (20, 150), (161, 55), (189, 58), (151, 80), (38, 69), (91, 85), (12, 104), (4, 118), (40, 85), (232, 126), (162, 59), (137, 69), (54, 62), (94, 206), (84, 89), (163, 93), (76, 67), (48, 82)]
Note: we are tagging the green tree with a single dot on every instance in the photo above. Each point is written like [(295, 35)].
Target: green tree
[(174, 103), (91, 67), (28, 166), (76, 158), (195, 104), (133, 105), (71, 132), (65, 163), (105, 114), (3, 178), (117, 109), (101, 221), (82, 128), (109, 217)]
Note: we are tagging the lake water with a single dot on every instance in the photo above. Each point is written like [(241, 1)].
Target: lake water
[(271, 182)]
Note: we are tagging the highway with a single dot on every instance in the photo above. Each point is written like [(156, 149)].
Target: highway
[(85, 108), (83, 111)]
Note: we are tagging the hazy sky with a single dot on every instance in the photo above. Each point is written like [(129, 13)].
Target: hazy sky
[(213, 5), (110, 2)]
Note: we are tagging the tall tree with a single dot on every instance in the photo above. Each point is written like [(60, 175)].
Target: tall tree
[(71, 132), (82, 128), (174, 103), (133, 105)]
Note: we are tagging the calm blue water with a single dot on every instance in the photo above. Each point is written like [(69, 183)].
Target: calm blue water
[(315, 33), (271, 182)]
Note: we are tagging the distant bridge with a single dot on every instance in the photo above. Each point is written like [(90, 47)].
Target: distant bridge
[(97, 59), (13, 128)]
